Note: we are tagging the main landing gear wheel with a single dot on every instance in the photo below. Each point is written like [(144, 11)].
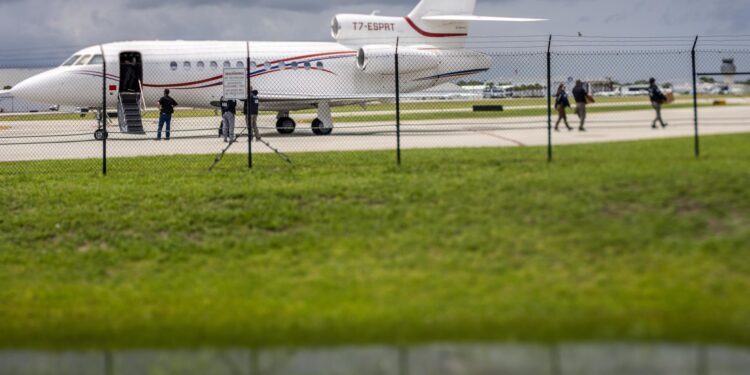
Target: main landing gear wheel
[(319, 128), (285, 125), (99, 134)]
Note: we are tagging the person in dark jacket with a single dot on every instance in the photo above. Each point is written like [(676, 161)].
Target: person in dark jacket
[(580, 95), (130, 81), (252, 107), (166, 109), (561, 103), (657, 101), (228, 112)]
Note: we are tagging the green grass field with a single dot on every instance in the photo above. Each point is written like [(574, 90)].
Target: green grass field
[(625, 241)]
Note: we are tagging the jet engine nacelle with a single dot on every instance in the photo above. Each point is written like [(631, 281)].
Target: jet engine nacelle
[(380, 59)]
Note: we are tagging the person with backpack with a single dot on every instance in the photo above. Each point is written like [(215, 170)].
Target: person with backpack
[(228, 112), (658, 99), (561, 103), (166, 109)]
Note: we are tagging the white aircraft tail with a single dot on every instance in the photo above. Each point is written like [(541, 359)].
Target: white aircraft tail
[(430, 22), (427, 8), (450, 18)]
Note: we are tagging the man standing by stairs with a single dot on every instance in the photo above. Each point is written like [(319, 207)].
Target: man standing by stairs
[(166, 109)]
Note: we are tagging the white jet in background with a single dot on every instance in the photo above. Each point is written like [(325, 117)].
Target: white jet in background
[(289, 76)]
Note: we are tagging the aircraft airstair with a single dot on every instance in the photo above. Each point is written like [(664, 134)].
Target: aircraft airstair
[(129, 113)]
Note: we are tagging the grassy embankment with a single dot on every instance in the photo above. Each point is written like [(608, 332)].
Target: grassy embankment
[(626, 241)]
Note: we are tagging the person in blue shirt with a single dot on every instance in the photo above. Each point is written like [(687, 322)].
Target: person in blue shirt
[(166, 109), (561, 103), (658, 99)]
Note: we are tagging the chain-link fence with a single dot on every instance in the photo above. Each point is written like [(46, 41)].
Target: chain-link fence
[(104, 110)]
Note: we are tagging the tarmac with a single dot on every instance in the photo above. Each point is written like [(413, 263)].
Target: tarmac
[(73, 139)]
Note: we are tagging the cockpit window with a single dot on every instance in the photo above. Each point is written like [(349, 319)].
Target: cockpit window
[(71, 60), (84, 60), (96, 60)]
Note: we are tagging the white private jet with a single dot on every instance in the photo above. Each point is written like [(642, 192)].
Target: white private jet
[(289, 76)]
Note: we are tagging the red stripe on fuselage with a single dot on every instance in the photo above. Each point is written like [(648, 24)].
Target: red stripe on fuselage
[(310, 56), (429, 34), (282, 70), (185, 84), (182, 85)]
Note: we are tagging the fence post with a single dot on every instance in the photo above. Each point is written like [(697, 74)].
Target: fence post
[(103, 115), (549, 99), (398, 108), (109, 365), (403, 361), (695, 101), (249, 131)]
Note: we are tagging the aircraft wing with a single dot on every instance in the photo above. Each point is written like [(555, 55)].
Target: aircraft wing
[(290, 103), (286, 102), (319, 98), (4, 94), (469, 17)]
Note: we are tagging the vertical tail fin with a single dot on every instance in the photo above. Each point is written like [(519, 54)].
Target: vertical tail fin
[(436, 31), (450, 18), (442, 7)]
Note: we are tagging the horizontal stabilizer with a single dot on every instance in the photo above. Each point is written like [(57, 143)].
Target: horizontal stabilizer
[(480, 18)]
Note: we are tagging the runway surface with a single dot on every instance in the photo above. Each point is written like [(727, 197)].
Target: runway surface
[(73, 139)]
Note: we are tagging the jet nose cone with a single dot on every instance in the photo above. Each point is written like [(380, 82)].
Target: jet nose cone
[(6, 94), (15, 90), (39, 88), (26, 89)]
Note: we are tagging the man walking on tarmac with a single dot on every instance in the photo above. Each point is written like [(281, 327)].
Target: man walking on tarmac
[(658, 99), (580, 94), (228, 112), (253, 103)]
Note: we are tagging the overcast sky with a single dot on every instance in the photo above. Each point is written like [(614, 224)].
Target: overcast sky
[(54, 28)]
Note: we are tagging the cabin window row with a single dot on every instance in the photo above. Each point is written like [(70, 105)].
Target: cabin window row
[(200, 65)]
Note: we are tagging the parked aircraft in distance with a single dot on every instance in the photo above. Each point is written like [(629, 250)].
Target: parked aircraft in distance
[(289, 76)]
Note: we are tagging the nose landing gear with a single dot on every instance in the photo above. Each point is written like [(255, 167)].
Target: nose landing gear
[(99, 133)]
